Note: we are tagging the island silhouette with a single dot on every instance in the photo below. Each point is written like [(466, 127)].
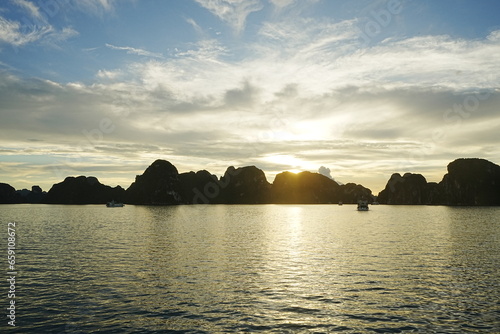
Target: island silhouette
[(471, 181)]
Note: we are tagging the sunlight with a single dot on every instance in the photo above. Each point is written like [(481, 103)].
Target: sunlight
[(286, 160), (294, 171)]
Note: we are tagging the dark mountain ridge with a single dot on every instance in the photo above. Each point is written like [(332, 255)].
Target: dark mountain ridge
[(468, 182), (471, 182), (83, 190)]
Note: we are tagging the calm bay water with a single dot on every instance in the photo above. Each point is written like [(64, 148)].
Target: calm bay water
[(268, 268)]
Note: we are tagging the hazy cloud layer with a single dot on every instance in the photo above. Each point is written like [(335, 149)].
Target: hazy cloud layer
[(303, 95)]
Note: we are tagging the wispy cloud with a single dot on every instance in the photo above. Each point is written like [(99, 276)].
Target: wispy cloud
[(32, 9), (135, 51), (282, 3), (15, 34), (62, 35), (195, 25), (11, 33), (36, 29), (94, 7), (233, 12)]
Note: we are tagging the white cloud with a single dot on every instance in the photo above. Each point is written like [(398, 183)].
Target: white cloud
[(325, 171), (104, 74), (282, 3), (139, 52), (294, 6), (60, 36), (10, 33), (15, 34), (195, 25), (233, 12), (19, 34), (294, 130), (31, 8), (494, 36), (94, 7)]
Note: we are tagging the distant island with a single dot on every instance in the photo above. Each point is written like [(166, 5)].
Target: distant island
[(472, 182)]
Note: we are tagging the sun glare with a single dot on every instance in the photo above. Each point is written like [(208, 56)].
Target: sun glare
[(294, 171), (288, 162)]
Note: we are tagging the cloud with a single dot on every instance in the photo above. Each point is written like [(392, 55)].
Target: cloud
[(31, 9), (135, 51), (353, 124), (104, 74), (34, 30), (15, 34), (325, 171), (11, 33), (195, 25), (494, 36), (232, 12), (244, 97), (60, 36), (304, 94), (292, 7), (282, 3), (94, 7)]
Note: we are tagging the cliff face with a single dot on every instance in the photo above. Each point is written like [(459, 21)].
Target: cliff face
[(83, 190), (407, 189), (468, 182), (245, 185), (199, 188), (306, 188), (471, 182), (35, 195), (8, 194), (159, 185), (351, 193)]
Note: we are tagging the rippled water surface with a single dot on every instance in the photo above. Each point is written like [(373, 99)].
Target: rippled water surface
[(268, 268)]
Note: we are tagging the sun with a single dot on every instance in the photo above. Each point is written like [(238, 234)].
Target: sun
[(294, 171), (289, 162)]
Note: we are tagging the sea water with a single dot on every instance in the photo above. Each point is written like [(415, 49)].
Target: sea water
[(267, 268)]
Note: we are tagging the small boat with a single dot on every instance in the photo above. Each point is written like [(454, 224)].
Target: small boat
[(363, 205), (341, 203), (114, 204)]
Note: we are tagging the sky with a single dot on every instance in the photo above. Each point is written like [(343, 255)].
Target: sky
[(360, 89)]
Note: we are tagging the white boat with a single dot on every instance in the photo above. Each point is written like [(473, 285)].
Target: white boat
[(114, 204), (363, 205)]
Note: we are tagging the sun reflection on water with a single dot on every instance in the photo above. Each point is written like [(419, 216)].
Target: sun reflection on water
[(267, 268)]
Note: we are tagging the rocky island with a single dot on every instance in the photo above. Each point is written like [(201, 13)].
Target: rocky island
[(468, 182)]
